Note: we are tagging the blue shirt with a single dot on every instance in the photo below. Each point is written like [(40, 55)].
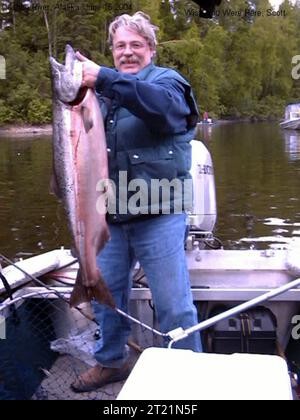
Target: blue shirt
[(161, 104), (149, 122)]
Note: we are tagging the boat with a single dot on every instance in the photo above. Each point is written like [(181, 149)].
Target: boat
[(207, 122), (62, 338), (44, 344), (292, 117)]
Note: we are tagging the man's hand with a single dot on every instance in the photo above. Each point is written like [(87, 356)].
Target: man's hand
[(90, 71)]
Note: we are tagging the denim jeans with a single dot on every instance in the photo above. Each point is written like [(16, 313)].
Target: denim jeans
[(158, 244)]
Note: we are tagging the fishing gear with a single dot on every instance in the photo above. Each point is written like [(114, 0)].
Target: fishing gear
[(40, 283), (60, 296)]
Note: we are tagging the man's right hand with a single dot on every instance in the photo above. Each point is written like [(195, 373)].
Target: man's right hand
[(90, 70)]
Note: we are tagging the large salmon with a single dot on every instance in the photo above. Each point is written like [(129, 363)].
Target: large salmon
[(80, 167)]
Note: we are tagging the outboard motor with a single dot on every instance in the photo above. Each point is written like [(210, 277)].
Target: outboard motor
[(203, 216)]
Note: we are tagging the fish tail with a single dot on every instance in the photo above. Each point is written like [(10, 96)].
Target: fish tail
[(79, 293), (99, 292)]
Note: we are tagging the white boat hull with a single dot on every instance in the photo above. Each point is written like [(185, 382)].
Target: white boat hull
[(291, 124)]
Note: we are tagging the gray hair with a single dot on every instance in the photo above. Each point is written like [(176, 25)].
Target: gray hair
[(139, 22)]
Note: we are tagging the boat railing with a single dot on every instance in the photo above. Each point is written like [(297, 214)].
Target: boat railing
[(179, 333)]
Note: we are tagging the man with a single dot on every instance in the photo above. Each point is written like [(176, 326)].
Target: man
[(150, 115)]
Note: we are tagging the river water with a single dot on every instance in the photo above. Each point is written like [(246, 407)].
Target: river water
[(257, 181)]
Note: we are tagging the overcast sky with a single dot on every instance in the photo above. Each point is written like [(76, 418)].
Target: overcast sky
[(275, 3)]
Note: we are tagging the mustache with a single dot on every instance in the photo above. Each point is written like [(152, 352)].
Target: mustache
[(129, 60)]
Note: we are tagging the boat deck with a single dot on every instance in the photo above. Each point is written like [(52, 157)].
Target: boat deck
[(56, 385), (216, 276)]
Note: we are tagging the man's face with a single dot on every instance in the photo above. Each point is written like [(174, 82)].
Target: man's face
[(131, 52)]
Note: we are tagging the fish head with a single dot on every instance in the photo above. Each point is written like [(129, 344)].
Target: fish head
[(67, 78)]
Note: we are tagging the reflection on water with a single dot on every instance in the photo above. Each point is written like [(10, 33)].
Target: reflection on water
[(204, 131), (31, 219), (257, 182), (292, 144)]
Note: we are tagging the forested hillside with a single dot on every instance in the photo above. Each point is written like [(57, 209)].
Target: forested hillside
[(239, 63)]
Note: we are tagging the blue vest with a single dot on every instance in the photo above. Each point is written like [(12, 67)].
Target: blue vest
[(135, 152)]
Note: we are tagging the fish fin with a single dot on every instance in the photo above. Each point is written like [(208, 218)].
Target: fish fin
[(100, 292), (79, 294), (87, 118), (103, 237)]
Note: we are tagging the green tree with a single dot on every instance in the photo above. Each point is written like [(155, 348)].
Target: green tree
[(238, 64)]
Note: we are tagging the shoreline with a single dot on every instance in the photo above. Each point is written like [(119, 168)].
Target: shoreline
[(15, 130), (25, 130)]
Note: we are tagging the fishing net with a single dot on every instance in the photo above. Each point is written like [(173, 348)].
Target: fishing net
[(45, 345)]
